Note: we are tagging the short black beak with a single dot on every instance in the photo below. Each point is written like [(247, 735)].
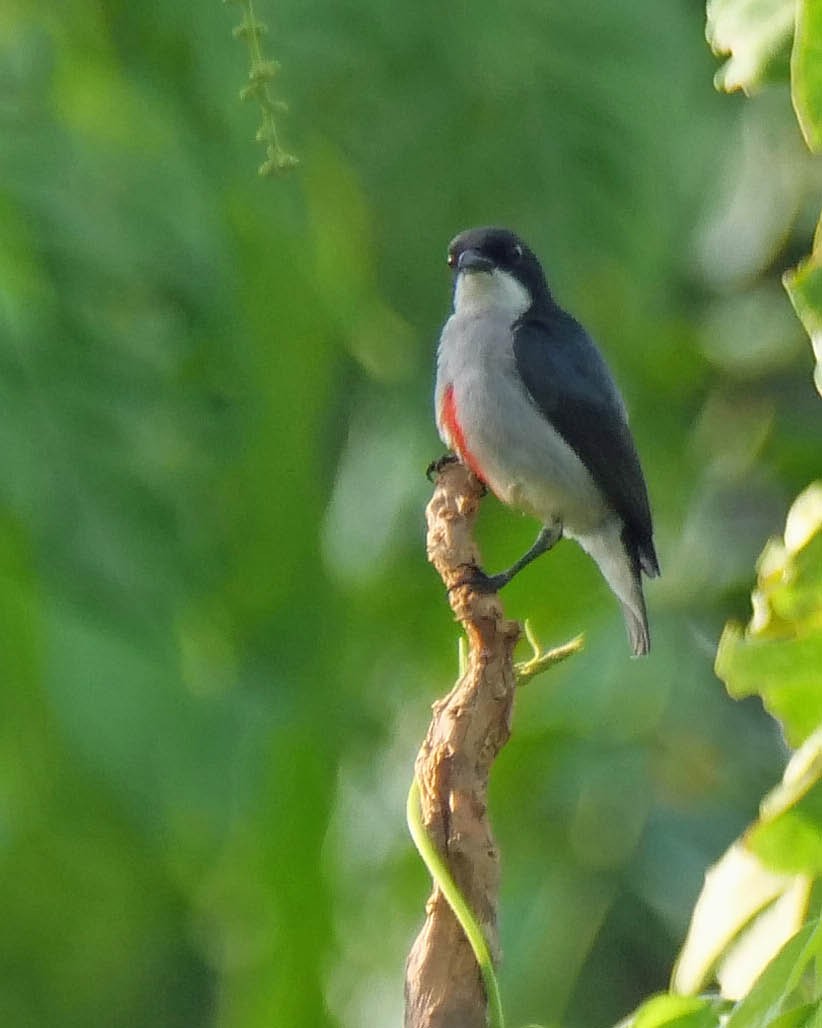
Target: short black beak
[(473, 260)]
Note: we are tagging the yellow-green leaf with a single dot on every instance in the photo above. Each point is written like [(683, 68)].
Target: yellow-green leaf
[(806, 71)]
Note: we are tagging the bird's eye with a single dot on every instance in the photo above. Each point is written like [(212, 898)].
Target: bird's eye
[(452, 260), (516, 251)]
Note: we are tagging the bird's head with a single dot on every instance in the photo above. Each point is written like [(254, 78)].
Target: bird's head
[(495, 270)]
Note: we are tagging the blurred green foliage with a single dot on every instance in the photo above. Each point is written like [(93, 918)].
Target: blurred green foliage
[(755, 928), (219, 634)]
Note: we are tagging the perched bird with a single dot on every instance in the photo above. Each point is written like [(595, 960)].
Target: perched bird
[(525, 399)]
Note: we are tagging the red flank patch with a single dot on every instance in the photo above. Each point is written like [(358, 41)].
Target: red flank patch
[(451, 424)]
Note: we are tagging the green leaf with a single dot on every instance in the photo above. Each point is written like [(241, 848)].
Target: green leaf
[(744, 914), (788, 835), (806, 71), (773, 991), (756, 897), (779, 655), (802, 1016), (785, 673), (679, 1011), (804, 286), (757, 34)]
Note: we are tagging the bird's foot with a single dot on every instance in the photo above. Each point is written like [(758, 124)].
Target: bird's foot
[(475, 578), (480, 582), (436, 466)]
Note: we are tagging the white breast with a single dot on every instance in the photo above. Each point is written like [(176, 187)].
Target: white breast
[(479, 292)]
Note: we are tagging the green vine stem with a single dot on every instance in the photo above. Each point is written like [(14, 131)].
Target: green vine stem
[(261, 73), (439, 872)]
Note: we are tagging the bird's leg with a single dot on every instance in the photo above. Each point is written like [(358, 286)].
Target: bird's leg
[(549, 535)]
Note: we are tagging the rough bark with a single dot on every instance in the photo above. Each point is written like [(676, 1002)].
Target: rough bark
[(443, 986)]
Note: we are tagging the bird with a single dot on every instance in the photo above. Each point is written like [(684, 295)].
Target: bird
[(524, 398)]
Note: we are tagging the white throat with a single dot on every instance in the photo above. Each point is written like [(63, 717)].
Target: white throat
[(499, 291)]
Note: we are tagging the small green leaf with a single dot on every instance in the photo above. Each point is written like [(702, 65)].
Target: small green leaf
[(796, 599), (779, 655), (250, 92), (668, 1011), (788, 834), (265, 71), (793, 841), (806, 71), (785, 673), (804, 286), (277, 163), (757, 34)]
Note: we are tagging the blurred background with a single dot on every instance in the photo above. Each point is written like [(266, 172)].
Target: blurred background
[(219, 637)]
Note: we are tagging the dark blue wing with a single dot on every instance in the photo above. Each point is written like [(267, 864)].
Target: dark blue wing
[(567, 379)]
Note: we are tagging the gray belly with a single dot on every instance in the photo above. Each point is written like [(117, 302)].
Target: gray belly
[(523, 459), (526, 463)]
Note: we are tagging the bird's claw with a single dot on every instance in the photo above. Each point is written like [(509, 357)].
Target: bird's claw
[(436, 466), (478, 581)]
